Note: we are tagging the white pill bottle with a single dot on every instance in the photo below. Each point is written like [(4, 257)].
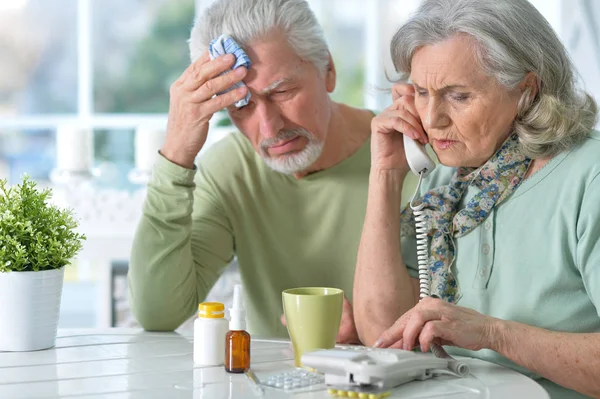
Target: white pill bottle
[(210, 329)]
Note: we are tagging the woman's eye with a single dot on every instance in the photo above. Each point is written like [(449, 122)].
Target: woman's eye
[(460, 97)]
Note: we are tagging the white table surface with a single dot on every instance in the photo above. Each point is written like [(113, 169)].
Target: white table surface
[(129, 363)]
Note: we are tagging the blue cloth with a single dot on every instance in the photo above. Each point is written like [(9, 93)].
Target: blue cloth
[(222, 45)]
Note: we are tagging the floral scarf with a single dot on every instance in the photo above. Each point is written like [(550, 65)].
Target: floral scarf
[(497, 179)]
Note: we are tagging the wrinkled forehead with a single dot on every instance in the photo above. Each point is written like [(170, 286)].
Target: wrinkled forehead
[(274, 60), (450, 62)]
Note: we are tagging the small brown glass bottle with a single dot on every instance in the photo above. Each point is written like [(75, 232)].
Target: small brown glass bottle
[(237, 340), (237, 351)]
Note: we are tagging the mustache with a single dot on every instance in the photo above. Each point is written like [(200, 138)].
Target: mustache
[(285, 135)]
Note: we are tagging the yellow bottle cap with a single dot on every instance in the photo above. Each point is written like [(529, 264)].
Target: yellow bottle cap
[(211, 310)]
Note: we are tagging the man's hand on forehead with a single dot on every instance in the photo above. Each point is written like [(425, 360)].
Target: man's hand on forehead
[(194, 101)]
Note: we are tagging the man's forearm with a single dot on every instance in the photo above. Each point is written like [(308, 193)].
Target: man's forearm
[(161, 277), (568, 359), (382, 287)]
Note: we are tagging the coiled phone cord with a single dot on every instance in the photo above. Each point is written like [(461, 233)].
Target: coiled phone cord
[(456, 366)]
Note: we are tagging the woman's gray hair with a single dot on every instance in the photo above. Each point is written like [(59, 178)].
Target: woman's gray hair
[(513, 39), (249, 20)]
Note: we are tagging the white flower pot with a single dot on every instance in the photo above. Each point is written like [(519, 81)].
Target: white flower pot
[(29, 309)]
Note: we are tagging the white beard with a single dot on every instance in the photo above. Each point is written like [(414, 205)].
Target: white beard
[(292, 163)]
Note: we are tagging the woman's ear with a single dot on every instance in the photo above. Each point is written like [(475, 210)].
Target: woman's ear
[(330, 75), (530, 84), (529, 89)]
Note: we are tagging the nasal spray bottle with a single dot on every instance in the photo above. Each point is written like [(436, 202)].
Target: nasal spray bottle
[(237, 340)]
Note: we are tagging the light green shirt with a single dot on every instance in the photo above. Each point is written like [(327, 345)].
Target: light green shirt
[(285, 232), (536, 259)]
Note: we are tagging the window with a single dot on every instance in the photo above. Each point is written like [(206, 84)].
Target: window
[(344, 25), (107, 64), (38, 48), (139, 49)]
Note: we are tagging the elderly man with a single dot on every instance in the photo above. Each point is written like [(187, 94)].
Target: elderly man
[(287, 195)]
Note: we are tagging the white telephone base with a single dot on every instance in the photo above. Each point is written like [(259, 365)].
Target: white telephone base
[(383, 368)]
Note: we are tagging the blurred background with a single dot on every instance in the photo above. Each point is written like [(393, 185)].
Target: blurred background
[(84, 95)]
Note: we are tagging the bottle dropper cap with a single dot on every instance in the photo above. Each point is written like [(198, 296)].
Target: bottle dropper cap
[(237, 312)]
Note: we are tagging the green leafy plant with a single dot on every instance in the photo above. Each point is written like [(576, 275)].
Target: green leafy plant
[(34, 234)]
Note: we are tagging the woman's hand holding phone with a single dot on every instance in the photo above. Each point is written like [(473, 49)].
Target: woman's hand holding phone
[(388, 128)]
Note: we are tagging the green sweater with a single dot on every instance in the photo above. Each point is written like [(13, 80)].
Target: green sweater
[(285, 233)]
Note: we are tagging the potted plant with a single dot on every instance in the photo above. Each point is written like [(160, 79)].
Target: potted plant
[(37, 240)]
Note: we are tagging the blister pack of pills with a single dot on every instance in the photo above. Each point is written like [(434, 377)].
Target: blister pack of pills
[(295, 380)]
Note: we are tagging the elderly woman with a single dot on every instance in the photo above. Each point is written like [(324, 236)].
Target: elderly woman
[(512, 213)]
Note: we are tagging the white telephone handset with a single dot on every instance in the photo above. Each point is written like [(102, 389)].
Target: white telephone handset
[(418, 159)]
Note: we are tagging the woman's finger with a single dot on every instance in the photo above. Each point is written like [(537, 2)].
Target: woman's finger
[(397, 345), (432, 332), (393, 122), (409, 112), (409, 105), (393, 334), (415, 325), (402, 89), (415, 122)]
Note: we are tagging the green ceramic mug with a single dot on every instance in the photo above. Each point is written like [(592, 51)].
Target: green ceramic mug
[(313, 316)]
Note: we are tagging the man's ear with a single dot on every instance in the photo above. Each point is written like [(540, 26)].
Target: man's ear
[(330, 75)]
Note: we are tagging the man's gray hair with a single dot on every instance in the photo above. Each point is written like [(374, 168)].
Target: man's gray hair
[(249, 20), (513, 39)]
